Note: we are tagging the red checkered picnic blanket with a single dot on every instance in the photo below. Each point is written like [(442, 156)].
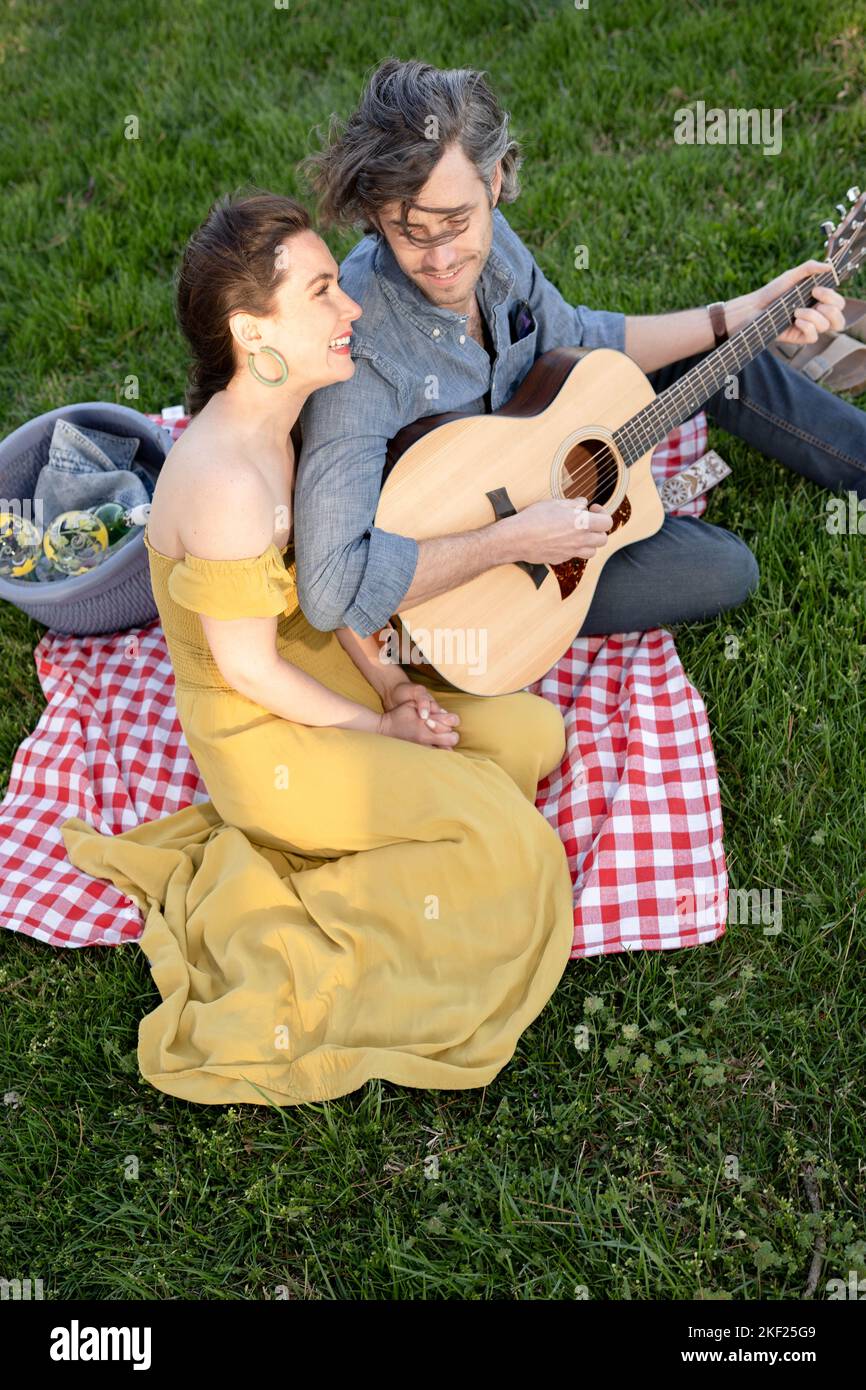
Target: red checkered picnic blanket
[(635, 800)]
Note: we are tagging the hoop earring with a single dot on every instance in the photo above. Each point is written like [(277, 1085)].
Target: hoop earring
[(266, 381)]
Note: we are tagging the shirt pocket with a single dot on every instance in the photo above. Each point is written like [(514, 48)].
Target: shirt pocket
[(519, 357)]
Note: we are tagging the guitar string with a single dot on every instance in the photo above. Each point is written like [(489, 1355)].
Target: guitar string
[(630, 433), (605, 458)]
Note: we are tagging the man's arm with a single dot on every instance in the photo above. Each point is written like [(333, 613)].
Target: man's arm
[(651, 340), (353, 574), (350, 572), (654, 340), (446, 562)]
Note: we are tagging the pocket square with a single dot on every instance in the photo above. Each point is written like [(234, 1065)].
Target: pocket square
[(520, 321)]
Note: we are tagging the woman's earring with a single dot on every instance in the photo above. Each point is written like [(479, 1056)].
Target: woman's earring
[(266, 381)]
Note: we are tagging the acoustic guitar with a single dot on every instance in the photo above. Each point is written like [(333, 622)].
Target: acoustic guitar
[(582, 423)]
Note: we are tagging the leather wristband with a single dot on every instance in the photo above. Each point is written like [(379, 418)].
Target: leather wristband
[(717, 319)]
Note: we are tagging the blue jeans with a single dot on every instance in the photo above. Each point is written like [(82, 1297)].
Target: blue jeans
[(691, 570)]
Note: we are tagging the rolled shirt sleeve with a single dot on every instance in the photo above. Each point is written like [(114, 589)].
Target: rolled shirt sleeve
[(350, 572), (390, 567)]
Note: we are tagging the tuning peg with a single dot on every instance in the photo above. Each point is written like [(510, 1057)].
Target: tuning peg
[(841, 209), (853, 194), (828, 228)]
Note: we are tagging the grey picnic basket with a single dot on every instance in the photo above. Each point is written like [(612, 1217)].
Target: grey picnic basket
[(117, 593)]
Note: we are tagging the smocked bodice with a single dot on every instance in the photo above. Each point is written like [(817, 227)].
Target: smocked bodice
[(254, 586)]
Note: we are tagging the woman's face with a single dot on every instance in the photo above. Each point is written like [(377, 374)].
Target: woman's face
[(311, 315)]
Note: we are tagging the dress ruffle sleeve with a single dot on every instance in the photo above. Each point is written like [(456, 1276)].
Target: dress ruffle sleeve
[(254, 587)]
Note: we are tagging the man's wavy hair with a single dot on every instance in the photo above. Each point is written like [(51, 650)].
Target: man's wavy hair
[(408, 115)]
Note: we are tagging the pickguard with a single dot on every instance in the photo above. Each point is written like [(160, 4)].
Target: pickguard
[(570, 572)]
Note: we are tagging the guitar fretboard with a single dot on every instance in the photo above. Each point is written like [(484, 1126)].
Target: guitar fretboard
[(678, 402)]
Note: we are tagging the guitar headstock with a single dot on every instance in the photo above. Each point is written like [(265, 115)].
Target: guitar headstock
[(846, 243)]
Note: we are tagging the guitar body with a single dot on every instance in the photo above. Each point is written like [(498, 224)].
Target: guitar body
[(457, 472)]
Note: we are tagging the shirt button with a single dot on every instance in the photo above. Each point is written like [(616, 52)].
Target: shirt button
[(462, 338), (435, 332)]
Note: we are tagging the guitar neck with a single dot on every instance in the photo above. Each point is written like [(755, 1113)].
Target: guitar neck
[(682, 400)]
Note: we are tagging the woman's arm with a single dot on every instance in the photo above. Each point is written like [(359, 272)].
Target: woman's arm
[(375, 657), (234, 520), (370, 655), (245, 651)]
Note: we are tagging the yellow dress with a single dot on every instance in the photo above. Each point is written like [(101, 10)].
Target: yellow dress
[(346, 905)]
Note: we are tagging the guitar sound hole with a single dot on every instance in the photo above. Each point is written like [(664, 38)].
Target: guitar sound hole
[(590, 470)]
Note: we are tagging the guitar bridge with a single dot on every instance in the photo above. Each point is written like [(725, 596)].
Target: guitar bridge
[(503, 506)]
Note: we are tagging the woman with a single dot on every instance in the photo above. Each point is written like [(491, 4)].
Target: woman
[(348, 904)]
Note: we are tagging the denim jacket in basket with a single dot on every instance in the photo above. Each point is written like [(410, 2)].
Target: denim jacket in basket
[(411, 359)]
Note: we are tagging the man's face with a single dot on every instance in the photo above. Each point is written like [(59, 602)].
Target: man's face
[(452, 204)]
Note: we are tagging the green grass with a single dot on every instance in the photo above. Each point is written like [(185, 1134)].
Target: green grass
[(666, 1161)]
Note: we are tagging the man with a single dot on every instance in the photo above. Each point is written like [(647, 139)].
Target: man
[(455, 311)]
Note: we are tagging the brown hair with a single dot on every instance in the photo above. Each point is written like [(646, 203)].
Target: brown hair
[(408, 116), (230, 264)]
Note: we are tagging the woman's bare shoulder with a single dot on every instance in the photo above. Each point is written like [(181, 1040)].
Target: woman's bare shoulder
[(210, 501), (202, 445)]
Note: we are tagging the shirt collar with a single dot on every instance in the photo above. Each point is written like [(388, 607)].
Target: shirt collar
[(494, 284)]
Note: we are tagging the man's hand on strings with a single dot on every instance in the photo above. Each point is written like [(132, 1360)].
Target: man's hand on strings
[(809, 323)]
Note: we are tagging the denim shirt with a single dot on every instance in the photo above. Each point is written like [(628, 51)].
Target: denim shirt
[(411, 359)]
